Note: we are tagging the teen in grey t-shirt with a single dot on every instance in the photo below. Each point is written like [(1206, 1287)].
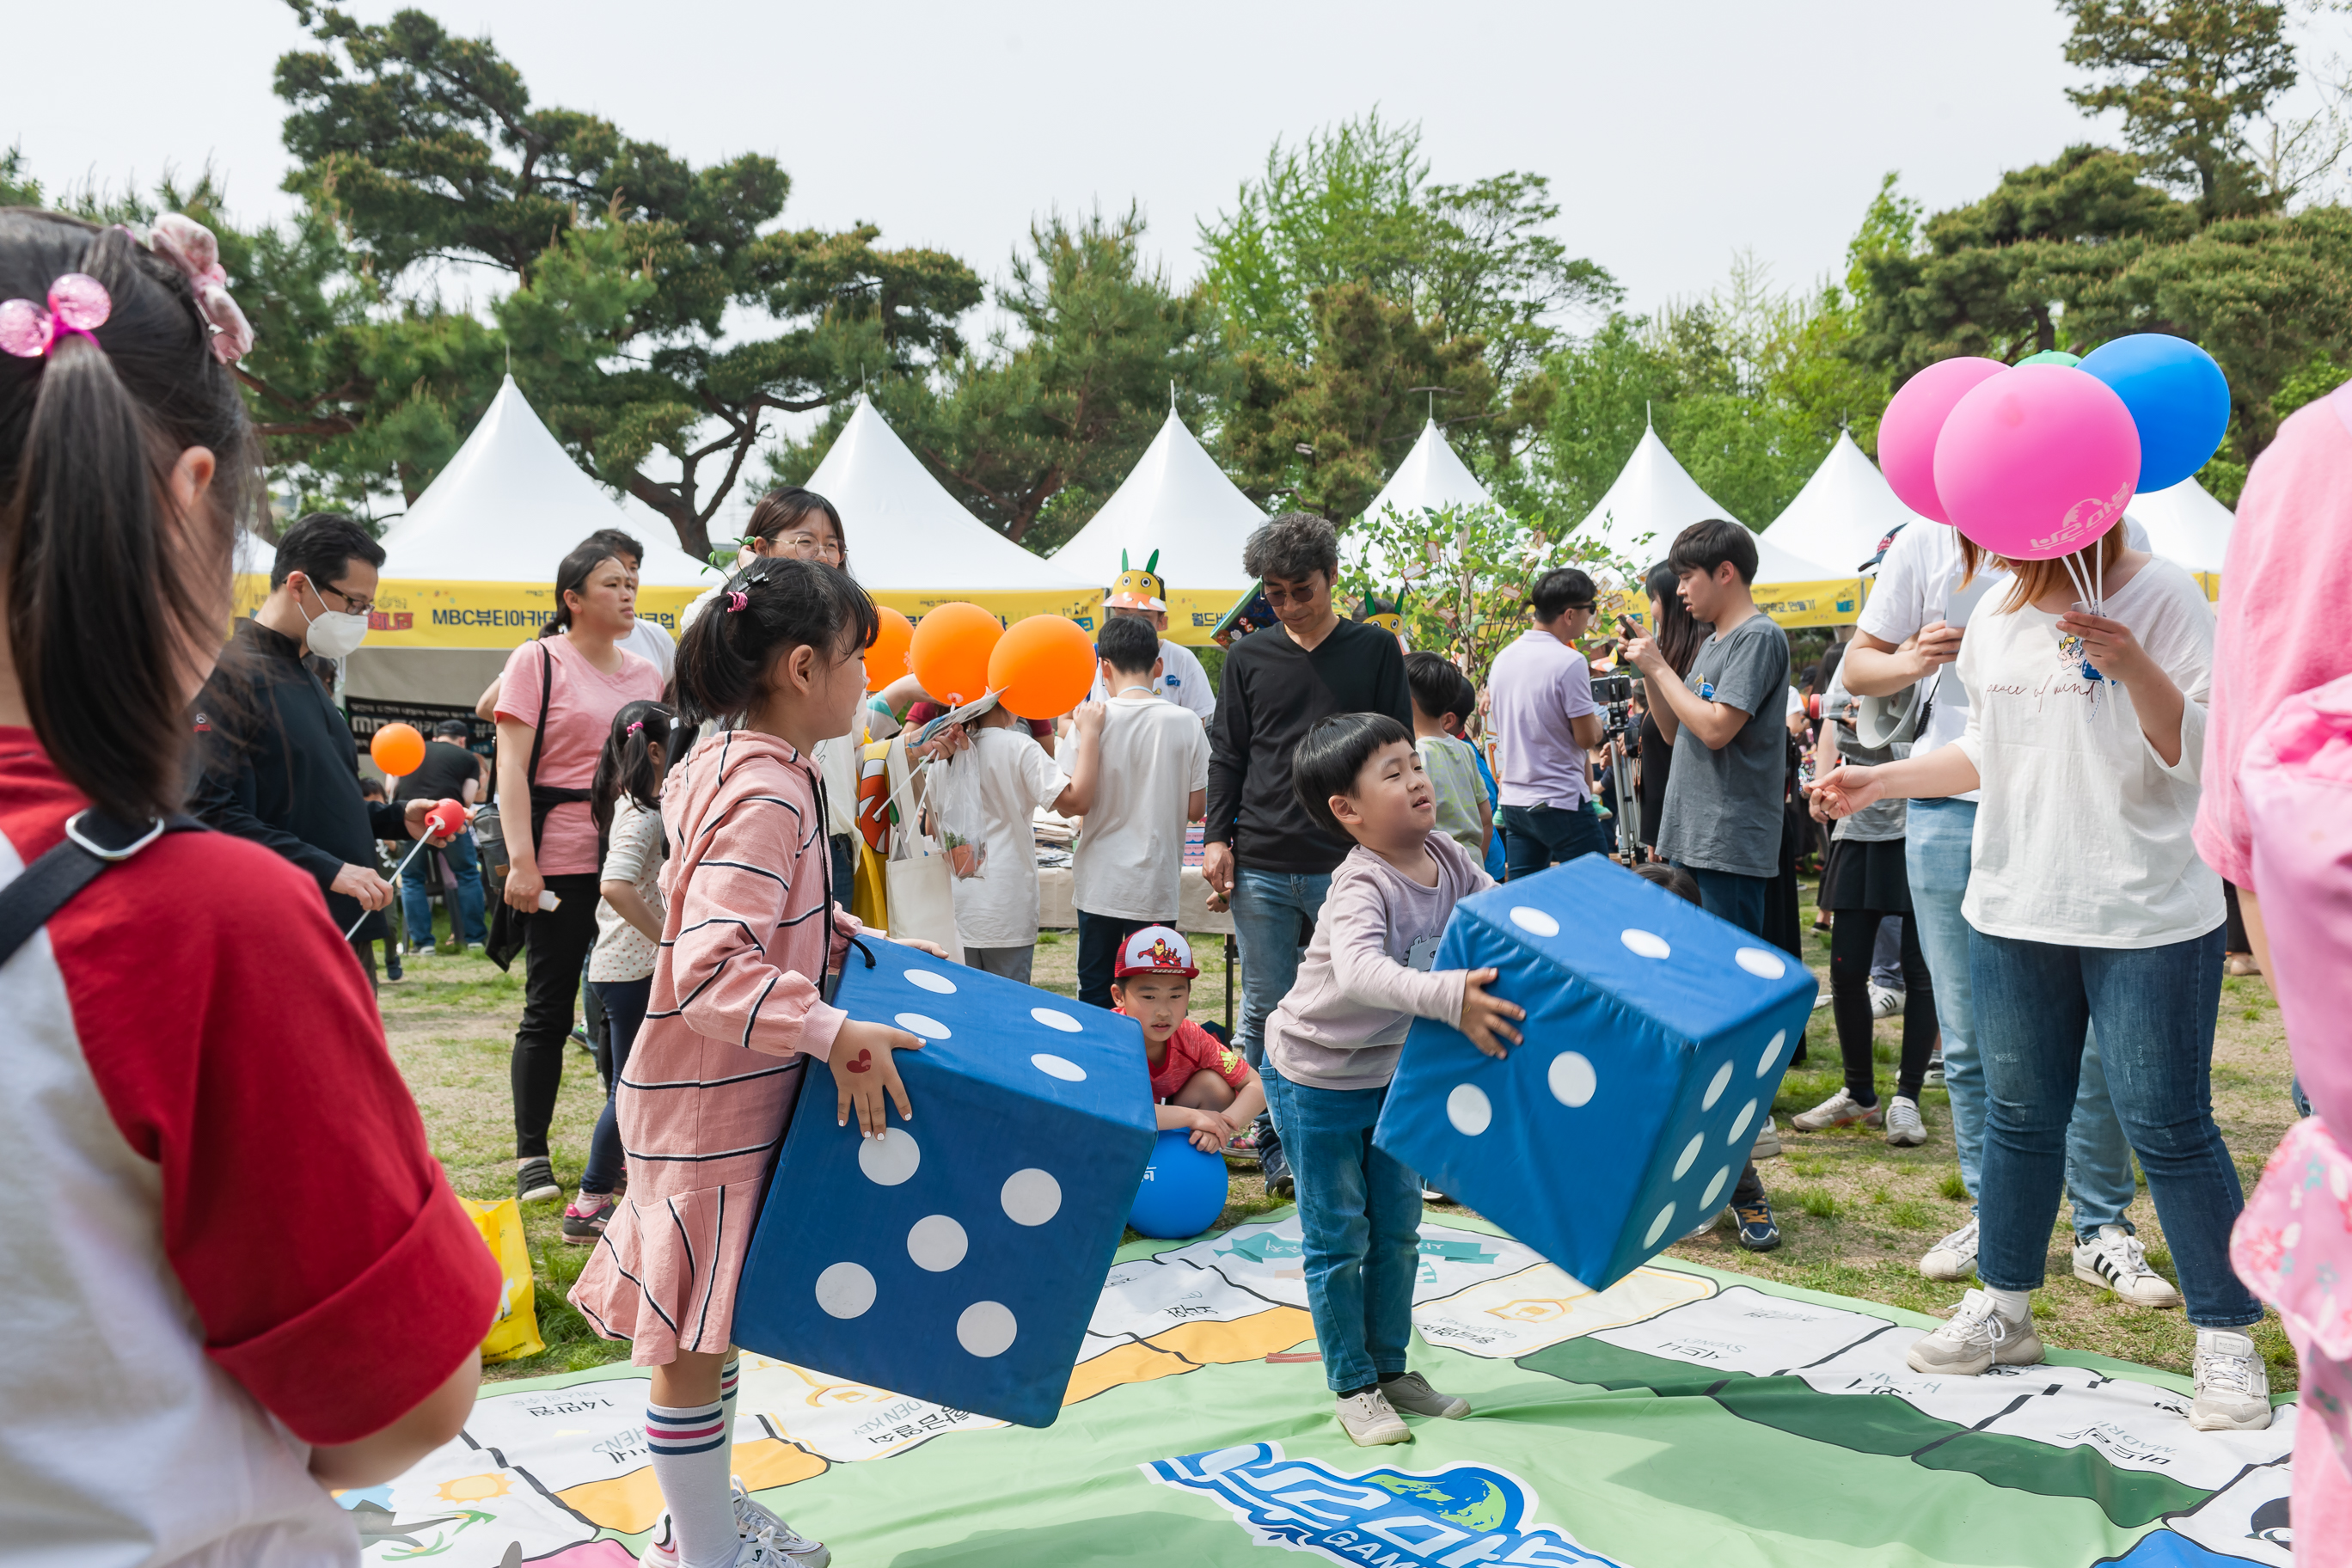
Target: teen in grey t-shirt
[(1723, 804)]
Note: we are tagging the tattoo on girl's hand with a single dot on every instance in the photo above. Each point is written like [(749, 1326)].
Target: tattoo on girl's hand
[(862, 1062)]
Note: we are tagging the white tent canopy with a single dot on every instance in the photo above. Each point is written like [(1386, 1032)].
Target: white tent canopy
[(907, 535), (509, 506), (1654, 498), (1178, 501), (1842, 513), (1431, 477), (2186, 524)]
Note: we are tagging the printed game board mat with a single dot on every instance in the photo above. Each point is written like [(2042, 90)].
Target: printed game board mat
[(1685, 1416)]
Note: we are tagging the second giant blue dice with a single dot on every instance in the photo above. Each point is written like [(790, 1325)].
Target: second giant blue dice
[(1656, 1036), (958, 1258)]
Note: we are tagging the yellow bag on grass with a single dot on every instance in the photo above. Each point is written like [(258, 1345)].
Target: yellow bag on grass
[(515, 1334)]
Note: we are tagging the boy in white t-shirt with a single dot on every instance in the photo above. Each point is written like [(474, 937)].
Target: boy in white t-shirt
[(996, 911), (1150, 777)]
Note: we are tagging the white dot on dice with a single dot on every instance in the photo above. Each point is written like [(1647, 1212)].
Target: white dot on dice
[(1572, 1078), (1739, 1124), (1755, 961), (1062, 1068), (1715, 1089), (915, 1024), (1031, 1197), (890, 1159), (1714, 1187), (1469, 1110), (1054, 1018), (937, 1243), (1658, 1225), (844, 1290), (1771, 1053), (1646, 944), (1534, 920), (1690, 1153), (986, 1329), (930, 980)]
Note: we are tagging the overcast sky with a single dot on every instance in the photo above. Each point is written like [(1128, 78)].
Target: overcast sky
[(1675, 134)]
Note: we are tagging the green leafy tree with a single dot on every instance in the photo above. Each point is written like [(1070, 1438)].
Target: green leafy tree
[(1035, 433), (2189, 77), (655, 314)]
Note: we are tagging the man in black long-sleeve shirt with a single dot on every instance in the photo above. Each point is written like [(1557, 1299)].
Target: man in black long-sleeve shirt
[(1265, 856)]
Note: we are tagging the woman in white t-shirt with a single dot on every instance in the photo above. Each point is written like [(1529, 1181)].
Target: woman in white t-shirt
[(2087, 904)]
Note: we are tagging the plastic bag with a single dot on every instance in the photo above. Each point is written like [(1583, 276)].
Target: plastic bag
[(514, 1333), (961, 820)]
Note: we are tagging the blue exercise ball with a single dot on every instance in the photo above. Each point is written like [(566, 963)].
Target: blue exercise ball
[(1183, 1192), (2178, 396)]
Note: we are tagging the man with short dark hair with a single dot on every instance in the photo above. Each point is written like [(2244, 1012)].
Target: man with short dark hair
[(280, 765), (1264, 854), (1546, 724), (1724, 798), (451, 771)]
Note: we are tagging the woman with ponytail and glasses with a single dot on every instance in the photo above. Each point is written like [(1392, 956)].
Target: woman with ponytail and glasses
[(555, 707), (2087, 905), (169, 1066)]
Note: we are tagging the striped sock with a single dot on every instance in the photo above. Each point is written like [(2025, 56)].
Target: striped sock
[(691, 1452), (726, 1375)]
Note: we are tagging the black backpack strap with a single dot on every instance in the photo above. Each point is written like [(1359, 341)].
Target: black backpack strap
[(91, 844)]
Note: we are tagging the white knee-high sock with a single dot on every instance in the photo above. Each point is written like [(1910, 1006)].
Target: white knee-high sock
[(726, 1375), (691, 1452)]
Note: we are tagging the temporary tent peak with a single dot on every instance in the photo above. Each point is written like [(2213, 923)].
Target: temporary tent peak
[(1843, 512), (509, 506), (1175, 500), (908, 536), (1654, 498), (1431, 477)]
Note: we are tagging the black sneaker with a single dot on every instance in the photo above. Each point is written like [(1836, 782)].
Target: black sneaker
[(535, 1181), (1757, 1231), (585, 1221)]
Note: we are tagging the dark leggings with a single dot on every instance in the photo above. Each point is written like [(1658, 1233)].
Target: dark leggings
[(624, 1012), (556, 940), (1855, 934)]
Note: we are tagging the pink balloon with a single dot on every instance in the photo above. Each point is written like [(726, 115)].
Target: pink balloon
[(1907, 431), (2037, 463)]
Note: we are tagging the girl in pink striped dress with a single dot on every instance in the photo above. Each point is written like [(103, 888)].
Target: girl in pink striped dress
[(738, 1007)]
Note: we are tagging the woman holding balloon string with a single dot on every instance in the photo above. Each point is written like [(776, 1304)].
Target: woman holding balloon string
[(2088, 905)]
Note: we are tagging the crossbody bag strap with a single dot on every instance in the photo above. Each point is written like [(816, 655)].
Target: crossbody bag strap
[(91, 844)]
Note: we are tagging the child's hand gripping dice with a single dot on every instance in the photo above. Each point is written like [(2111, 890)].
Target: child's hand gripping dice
[(1198, 1081)]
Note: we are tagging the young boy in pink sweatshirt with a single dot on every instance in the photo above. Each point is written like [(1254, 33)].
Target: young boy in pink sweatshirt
[(1331, 1047)]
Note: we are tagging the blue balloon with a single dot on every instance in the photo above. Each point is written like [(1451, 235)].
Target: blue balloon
[(1183, 1189), (2178, 396)]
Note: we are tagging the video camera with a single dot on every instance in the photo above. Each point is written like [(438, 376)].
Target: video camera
[(1611, 693)]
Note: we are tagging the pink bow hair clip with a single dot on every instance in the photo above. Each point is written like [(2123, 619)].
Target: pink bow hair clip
[(634, 726), (190, 247), (737, 600), (78, 303)]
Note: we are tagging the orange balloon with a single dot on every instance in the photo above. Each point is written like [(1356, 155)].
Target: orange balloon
[(1043, 666), (397, 749), (949, 652), (886, 661)]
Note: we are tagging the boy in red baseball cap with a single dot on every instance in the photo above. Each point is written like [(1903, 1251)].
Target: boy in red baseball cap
[(1197, 1080)]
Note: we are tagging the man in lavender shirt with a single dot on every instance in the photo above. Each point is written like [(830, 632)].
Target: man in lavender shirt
[(1543, 708)]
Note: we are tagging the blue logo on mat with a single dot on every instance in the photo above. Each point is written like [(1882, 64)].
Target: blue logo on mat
[(1458, 1517)]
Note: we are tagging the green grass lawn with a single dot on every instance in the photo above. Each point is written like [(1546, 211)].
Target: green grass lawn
[(1855, 1214)]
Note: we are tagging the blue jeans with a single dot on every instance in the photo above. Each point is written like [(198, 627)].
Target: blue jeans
[(1936, 850), (2155, 1007), (1274, 914), (466, 919), (1360, 1219), (1541, 837), (625, 1010), (1728, 895)]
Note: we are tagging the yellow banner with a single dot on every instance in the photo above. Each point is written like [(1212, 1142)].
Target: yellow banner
[(1829, 604), (505, 614), (1191, 616)]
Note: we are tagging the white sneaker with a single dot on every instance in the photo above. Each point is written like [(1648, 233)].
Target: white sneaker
[(752, 1520), (1904, 1128), (1885, 1001), (1371, 1420), (2234, 1386), (750, 1551), (1768, 1141), (1976, 1337), (2115, 1261), (1955, 1256), (1839, 1109)]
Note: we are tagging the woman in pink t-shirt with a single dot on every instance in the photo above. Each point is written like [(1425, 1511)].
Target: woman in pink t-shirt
[(556, 702)]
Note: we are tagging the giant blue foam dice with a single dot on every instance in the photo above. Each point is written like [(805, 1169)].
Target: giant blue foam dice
[(1655, 1038), (958, 1258)]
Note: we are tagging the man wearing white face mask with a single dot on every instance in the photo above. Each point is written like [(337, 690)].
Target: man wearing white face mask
[(280, 764)]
